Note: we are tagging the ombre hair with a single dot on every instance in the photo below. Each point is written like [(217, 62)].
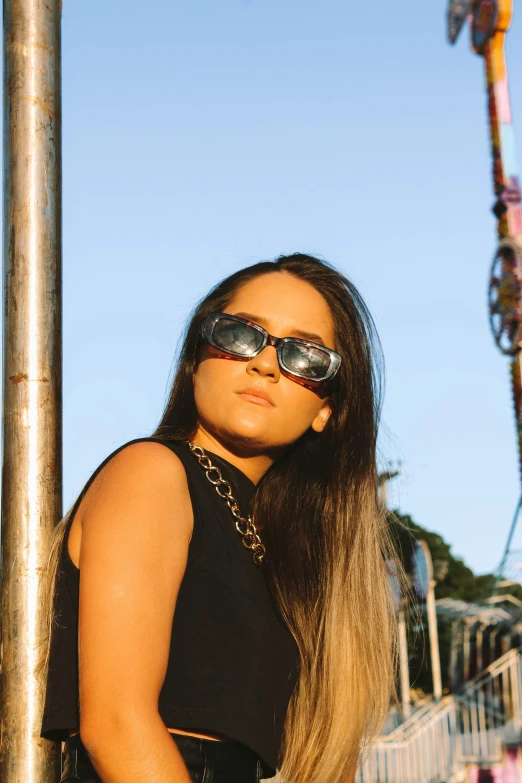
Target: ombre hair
[(327, 537)]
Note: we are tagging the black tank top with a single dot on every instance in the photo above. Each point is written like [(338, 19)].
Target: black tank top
[(232, 662)]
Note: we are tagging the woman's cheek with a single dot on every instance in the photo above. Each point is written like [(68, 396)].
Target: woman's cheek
[(211, 379), (301, 405)]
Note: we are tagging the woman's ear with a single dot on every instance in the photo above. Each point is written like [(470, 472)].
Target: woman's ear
[(321, 420)]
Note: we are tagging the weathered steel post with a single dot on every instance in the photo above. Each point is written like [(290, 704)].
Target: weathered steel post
[(32, 359)]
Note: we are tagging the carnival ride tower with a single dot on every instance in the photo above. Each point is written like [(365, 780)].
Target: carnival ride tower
[(489, 21)]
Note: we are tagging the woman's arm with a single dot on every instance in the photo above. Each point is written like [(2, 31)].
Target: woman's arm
[(136, 526)]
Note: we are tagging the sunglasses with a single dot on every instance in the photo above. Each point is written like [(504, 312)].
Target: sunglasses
[(300, 360)]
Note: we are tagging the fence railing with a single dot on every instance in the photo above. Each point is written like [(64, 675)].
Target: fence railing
[(435, 743), (420, 751)]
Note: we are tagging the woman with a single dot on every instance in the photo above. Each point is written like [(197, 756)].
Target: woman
[(213, 646)]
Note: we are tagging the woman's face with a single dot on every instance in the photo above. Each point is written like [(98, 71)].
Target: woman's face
[(225, 390)]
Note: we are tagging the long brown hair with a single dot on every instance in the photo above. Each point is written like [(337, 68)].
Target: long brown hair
[(327, 538)]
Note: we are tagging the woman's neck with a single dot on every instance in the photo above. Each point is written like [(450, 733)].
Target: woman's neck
[(252, 465)]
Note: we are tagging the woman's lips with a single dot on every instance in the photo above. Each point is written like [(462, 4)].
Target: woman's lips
[(256, 396)]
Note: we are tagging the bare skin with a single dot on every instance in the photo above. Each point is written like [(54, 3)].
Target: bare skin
[(131, 533)]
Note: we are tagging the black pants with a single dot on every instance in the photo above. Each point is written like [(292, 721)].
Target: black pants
[(207, 761)]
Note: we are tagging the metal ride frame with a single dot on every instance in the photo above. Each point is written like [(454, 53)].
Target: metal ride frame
[(489, 22)]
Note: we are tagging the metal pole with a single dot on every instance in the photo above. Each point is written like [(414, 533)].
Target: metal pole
[(480, 647), (493, 645), (454, 655), (466, 649), (405, 674), (434, 641), (31, 435)]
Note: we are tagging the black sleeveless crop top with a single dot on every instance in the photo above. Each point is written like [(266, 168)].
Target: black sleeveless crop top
[(232, 663)]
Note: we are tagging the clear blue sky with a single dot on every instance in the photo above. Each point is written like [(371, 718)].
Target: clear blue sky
[(201, 136)]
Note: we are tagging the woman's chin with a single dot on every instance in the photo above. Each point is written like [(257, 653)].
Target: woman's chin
[(253, 434), (252, 431)]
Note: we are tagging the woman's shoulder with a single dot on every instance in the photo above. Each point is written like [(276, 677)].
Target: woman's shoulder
[(141, 480), (148, 455), (139, 467), (145, 458)]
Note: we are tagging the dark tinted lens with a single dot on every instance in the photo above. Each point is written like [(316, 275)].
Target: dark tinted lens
[(236, 337), (305, 360)]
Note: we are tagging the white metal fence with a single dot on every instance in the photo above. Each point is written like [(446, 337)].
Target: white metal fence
[(420, 751), (435, 743)]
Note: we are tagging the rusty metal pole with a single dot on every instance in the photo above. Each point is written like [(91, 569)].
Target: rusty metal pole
[(32, 362)]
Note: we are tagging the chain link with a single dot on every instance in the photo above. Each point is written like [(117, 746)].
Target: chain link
[(244, 525)]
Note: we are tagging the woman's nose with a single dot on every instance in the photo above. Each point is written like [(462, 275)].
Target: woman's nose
[(265, 364)]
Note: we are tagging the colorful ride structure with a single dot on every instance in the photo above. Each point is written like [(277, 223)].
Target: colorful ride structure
[(489, 21)]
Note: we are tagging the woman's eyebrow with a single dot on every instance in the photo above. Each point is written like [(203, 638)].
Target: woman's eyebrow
[(258, 319)]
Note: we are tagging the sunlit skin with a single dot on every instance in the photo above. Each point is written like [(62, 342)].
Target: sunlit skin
[(248, 431)]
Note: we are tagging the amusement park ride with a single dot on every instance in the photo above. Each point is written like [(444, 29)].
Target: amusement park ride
[(489, 21)]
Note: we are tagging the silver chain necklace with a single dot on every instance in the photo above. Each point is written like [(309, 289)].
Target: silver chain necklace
[(244, 525)]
